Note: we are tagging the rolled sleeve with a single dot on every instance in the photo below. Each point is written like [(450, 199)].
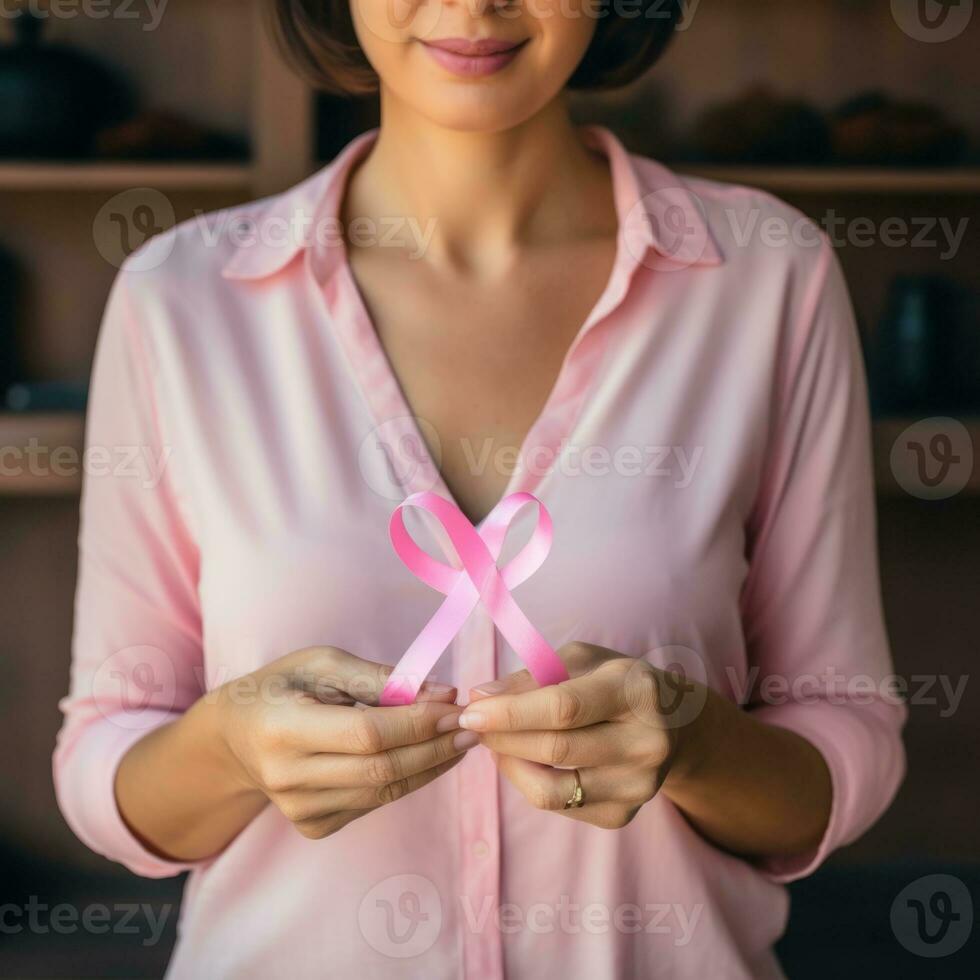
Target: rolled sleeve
[(811, 606), (86, 794), (136, 647), (866, 761)]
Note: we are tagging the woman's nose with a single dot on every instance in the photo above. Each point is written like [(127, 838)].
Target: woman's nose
[(480, 8)]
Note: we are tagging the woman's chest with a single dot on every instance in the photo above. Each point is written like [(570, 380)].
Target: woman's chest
[(648, 550), (476, 358), (624, 572), (293, 451)]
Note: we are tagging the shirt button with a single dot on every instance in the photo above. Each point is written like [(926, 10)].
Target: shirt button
[(481, 848)]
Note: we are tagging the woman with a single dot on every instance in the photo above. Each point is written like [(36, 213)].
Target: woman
[(513, 304)]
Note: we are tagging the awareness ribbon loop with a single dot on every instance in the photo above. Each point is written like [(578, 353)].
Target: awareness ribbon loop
[(479, 580)]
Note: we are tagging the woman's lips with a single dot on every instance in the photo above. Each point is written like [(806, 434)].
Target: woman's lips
[(473, 59)]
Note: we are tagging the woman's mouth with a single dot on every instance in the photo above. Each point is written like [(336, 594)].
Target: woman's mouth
[(473, 59)]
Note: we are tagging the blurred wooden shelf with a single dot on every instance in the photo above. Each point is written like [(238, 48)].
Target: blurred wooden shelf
[(28, 176), (843, 180), (41, 454)]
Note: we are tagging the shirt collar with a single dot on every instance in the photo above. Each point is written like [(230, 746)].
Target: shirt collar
[(656, 210)]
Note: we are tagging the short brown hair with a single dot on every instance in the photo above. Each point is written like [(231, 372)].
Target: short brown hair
[(318, 37)]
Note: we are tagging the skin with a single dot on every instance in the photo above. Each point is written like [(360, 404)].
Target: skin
[(633, 731), (291, 734), (523, 220)]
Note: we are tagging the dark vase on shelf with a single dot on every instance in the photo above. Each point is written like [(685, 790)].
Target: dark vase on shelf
[(53, 99), (915, 364), (9, 361), (339, 119)]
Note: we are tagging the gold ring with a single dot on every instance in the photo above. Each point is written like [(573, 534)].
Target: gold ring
[(577, 798)]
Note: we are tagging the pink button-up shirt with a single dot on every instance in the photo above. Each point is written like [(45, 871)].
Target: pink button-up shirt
[(704, 454)]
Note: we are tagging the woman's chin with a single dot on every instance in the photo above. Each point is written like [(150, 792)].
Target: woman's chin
[(480, 110)]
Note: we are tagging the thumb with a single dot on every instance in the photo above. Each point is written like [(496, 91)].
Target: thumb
[(516, 683), (333, 675)]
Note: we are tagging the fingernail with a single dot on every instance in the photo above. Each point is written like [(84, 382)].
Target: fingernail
[(472, 719), (465, 740), (436, 688), (447, 722), (491, 687)]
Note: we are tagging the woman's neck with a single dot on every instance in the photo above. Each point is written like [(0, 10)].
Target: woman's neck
[(485, 196)]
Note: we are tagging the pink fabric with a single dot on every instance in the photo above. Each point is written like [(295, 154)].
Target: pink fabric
[(704, 455)]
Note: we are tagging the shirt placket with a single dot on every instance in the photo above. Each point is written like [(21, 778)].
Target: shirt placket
[(475, 657)]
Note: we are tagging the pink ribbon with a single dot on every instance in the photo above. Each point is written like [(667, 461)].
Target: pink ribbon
[(479, 580)]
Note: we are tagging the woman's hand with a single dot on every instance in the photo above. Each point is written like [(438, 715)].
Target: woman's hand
[(622, 723), (633, 730), (294, 733)]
